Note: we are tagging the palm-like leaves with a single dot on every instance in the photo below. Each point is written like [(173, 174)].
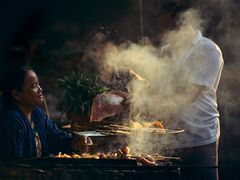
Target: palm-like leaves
[(78, 92)]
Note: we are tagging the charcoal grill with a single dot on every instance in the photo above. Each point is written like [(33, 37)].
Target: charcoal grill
[(64, 168), (90, 168)]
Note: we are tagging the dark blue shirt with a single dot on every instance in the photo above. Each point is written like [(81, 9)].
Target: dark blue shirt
[(18, 138)]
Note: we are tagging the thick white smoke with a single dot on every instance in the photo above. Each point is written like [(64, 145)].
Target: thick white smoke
[(156, 65)]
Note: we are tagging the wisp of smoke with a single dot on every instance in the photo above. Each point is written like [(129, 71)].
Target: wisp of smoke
[(153, 65)]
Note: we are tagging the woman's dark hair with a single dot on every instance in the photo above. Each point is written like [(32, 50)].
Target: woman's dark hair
[(13, 79)]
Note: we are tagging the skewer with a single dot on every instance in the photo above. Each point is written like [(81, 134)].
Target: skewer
[(160, 130), (131, 131), (156, 157)]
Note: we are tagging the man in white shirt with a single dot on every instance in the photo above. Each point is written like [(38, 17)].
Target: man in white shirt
[(198, 65)]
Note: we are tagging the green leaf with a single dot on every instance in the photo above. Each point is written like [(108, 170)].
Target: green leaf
[(78, 90)]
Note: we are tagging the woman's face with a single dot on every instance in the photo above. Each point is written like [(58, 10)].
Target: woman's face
[(31, 94)]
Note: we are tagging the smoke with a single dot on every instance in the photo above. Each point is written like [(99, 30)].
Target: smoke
[(150, 101), (151, 98), (146, 62)]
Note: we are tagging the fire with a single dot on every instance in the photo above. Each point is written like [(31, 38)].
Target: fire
[(158, 124), (155, 124), (88, 156), (122, 153)]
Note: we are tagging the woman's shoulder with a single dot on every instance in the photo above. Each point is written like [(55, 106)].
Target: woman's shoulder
[(38, 111), (38, 114), (11, 112), (12, 116)]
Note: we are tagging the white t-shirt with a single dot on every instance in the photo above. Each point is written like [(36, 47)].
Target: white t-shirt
[(202, 65)]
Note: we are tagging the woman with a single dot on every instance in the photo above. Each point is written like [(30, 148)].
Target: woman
[(26, 131)]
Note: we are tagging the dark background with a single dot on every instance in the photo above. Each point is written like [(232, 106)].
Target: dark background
[(52, 36)]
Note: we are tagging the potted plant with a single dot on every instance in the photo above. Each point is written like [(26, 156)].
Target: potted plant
[(79, 90)]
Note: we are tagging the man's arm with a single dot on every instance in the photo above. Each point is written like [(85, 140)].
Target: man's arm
[(187, 95), (174, 104)]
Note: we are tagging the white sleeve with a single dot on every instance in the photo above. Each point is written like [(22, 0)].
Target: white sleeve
[(207, 66)]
